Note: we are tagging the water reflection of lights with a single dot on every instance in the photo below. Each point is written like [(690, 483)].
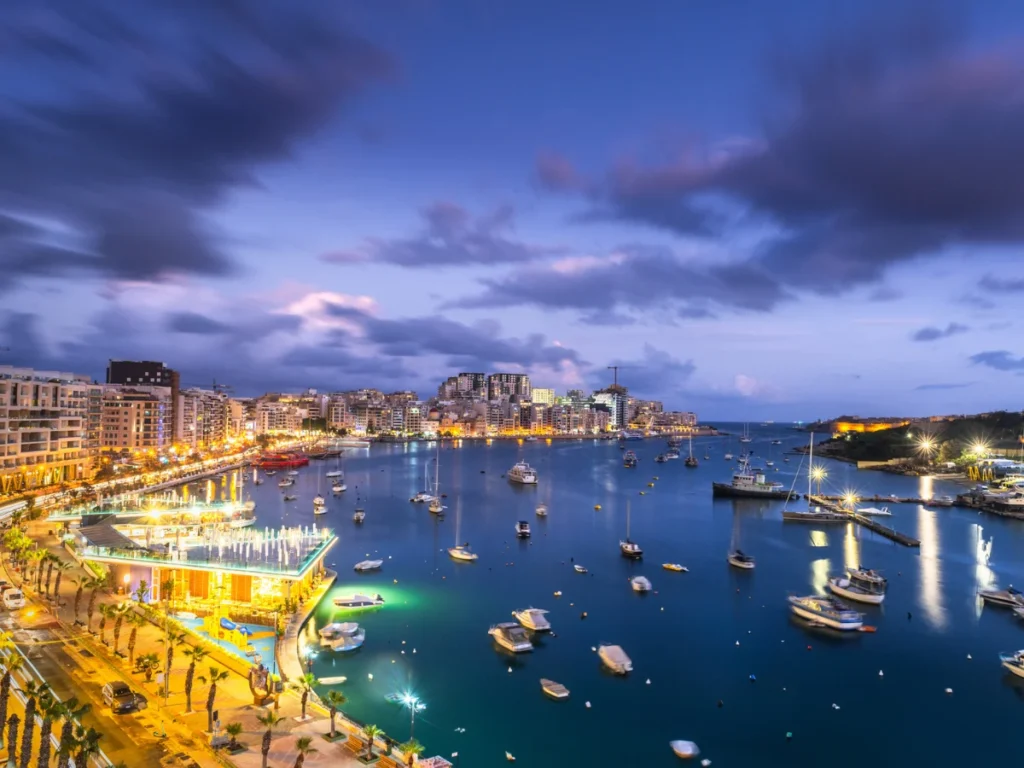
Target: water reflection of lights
[(931, 569), (926, 487), (984, 577), (851, 547), (819, 574), (819, 539)]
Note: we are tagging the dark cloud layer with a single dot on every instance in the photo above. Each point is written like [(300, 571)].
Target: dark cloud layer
[(194, 97), (1001, 360), (932, 333), (450, 237), (889, 145), (942, 387), (655, 373)]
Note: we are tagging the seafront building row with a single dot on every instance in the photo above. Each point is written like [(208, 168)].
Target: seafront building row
[(60, 428)]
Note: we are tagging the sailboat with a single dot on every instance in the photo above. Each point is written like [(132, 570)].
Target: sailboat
[(627, 547), (746, 438), (737, 557), (360, 514), (691, 460), (435, 506), (319, 504), (336, 472), (460, 551), (811, 514)]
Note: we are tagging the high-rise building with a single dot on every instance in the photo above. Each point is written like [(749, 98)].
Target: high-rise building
[(148, 373), (614, 399), (202, 418), (543, 396), (134, 419), (42, 428), (505, 386)]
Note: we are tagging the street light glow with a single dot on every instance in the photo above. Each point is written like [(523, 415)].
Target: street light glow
[(926, 444), (980, 448), (819, 473)]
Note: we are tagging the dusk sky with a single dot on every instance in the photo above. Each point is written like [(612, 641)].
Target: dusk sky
[(762, 210)]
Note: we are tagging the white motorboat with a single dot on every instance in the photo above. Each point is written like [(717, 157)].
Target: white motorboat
[(845, 587), (553, 689), (359, 601), (580, 569), (421, 498), (359, 515), (542, 510), (615, 659), (684, 749), (292, 472), (241, 522), (739, 559), (641, 584), (319, 505), (627, 546), (511, 637), (826, 611), (285, 482), (523, 529), (368, 565), (522, 473), (1014, 662), (675, 567), (1008, 598), (462, 552), (333, 473), (290, 498), (867, 578), (533, 619), (875, 511), (342, 637), (338, 488), (728, 457)]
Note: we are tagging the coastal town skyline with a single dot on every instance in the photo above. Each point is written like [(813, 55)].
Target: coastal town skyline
[(580, 211)]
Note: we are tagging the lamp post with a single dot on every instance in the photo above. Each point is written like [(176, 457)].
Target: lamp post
[(414, 705)]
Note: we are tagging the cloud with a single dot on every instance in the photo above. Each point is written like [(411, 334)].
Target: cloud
[(655, 374), (994, 284), (195, 323), (932, 333), (556, 172), (637, 278), (891, 144), (1001, 360), (936, 387), (136, 125), (450, 237)]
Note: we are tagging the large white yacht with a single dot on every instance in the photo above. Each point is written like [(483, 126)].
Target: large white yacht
[(533, 619), (359, 601), (342, 637), (523, 474), (851, 590), (826, 611), (510, 636), (613, 657)]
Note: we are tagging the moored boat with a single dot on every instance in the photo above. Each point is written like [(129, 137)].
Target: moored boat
[(359, 601), (462, 552), (615, 659), (542, 510), (675, 567), (749, 483), (684, 749), (553, 689), (845, 587), (579, 569), (523, 529), (510, 636), (640, 584), (342, 637), (826, 611), (533, 619), (522, 473), (875, 511), (368, 565), (1009, 597), (1013, 662), (739, 559), (629, 459)]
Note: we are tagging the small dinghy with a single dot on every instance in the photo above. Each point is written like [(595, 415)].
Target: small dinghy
[(579, 569), (675, 567), (684, 749), (553, 689)]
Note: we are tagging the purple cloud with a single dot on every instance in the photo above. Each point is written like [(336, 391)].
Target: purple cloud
[(932, 333)]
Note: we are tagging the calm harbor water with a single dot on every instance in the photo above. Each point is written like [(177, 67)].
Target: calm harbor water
[(698, 638)]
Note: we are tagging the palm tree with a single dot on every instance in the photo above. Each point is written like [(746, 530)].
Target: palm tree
[(370, 732), (34, 694), (411, 749), (334, 700), (11, 663), (119, 614), (233, 730), (62, 567), (173, 639), (106, 612), (166, 593), (305, 746), (51, 561), (78, 595), (45, 559), (87, 741), (135, 621), (270, 719), (305, 685), (12, 739), (142, 592), (216, 676), (51, 709), (95, 585), (196, 655)]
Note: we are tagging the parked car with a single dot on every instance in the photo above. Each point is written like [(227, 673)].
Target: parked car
[(120, 698), (13, 599), (179, 760)]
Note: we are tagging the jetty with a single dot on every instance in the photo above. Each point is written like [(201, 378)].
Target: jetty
[(889, 500), (832, 512)]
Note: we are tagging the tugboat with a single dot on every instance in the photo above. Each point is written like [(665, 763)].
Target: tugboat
[(629, 459)]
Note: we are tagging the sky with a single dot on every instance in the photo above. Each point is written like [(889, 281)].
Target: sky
[(784, 210)]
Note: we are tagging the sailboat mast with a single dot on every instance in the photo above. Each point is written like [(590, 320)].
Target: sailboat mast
[(810, 467), (628, 509)]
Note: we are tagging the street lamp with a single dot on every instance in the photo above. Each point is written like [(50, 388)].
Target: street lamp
[(818, 474), (980, 448), (850, 499), (310, 655), (414, 705)]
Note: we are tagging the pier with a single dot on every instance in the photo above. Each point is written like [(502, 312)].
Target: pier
[(888, 500), (834, 511)]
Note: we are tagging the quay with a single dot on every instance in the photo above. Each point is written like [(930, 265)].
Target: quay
[(833, 513), (888, 500)]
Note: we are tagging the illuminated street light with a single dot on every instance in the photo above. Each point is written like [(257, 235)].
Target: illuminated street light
[(850, 499), (980, 448), (414, 705), (818, 474)]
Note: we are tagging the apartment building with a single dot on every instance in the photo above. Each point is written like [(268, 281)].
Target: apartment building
[(202, 418), (131, 419)]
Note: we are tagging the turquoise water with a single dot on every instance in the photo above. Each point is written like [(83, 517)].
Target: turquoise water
[(698, 638)]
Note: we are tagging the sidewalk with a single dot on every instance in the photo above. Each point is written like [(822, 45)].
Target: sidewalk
[(234, 699)]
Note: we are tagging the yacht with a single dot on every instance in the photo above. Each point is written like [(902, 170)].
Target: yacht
[(342, 637), (421, 498), (691, 460), (359, 601), (511, 637), (435, 507), (533, 619), (631, 434), (660, 458), (339, 487), (292, 472), (942, 501), (1009, 597), (728, 457), (675, 442), (627, 546), (1014, 662), (867, 578), (684, 749), (319, 505), (746, 438), (462, 552), (579, 568), (522, 473), (750, 483), (523, 529), (641, 584), (613, 657), (290, 498), (740, 560), (542, 510), (827, 611), (359, 515), (851, 590), (776, 442), (333, 473), (671, 454), (629, 459), (875, 511), (369, 565), (553, 689), (285, 482)]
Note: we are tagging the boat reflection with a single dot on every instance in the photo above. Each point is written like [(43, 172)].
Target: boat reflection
[(820, 571), (930, 594)]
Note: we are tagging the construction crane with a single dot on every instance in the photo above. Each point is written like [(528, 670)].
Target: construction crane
[(616, 369)]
